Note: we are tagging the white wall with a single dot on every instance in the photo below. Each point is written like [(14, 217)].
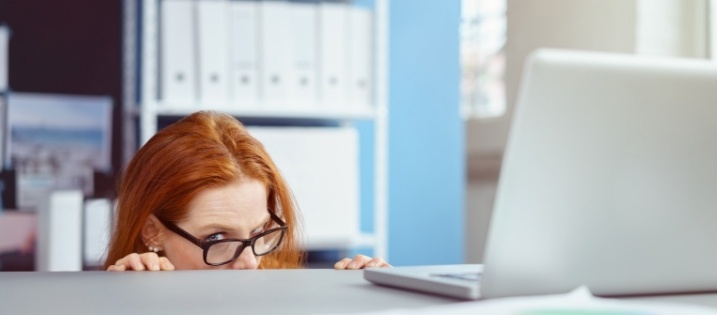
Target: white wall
[(665, 27), (672, 28)]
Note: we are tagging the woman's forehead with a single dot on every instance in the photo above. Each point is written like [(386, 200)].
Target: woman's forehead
[(241, 200)]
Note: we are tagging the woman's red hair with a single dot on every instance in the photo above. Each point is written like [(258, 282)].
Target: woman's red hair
[(203, 150)]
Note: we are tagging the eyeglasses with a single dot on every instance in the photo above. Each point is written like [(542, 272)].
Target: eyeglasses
[(220, 252)]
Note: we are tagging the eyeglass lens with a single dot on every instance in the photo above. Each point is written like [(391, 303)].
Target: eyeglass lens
[(223, 252)]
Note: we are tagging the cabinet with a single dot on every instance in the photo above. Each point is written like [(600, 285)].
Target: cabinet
[(144, 107)]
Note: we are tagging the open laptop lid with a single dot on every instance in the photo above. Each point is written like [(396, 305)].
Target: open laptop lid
[(609, 178)]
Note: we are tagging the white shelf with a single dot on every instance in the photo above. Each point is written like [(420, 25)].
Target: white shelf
[(145, 14), (336, 112)]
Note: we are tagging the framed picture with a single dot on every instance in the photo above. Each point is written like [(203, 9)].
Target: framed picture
[(55, 142)]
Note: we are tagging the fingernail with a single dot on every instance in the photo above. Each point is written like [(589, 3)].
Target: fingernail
[(353, 265), (155, 267), (370, 265)]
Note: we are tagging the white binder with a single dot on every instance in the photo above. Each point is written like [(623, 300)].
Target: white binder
[(302, 85), (244, 53), (333, 30), (213, 28), (97, 228), (177, 57), (275, 39), (360, 58), (59, 232)]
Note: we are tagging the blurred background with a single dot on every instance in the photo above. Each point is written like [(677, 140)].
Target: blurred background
[(424, 114)]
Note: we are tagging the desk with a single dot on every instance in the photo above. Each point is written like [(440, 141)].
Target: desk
[(309, 291), (704, 299)]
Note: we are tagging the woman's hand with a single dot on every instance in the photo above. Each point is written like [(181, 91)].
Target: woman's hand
[(360, 262), (140, 262)]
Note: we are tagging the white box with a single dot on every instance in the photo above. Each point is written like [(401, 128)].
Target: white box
[(97, 231), (59, 232)]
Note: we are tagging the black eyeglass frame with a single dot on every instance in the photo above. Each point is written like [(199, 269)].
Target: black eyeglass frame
[(205, 245)]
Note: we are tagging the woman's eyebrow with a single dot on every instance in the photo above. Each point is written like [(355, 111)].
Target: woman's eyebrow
[(215, 226), (224, 227)]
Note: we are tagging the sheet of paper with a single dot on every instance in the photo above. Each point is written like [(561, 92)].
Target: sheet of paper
[(578, 302)]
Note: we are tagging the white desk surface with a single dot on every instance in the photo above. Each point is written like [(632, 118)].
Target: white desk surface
[(310, 291)]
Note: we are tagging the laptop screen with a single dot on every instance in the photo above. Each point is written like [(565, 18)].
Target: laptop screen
[(608, 178)]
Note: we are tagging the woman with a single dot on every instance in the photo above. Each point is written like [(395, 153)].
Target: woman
[(204, 194)]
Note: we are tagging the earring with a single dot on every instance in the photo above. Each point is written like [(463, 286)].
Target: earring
[(153, 249)]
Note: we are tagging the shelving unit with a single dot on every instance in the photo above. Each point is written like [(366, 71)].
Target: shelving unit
[(141, 44)]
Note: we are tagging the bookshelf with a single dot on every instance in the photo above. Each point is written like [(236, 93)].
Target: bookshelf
[(144, 107)]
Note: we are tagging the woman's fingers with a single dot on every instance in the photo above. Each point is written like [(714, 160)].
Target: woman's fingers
[(116, 268), (135, 262), (377, 262), (165, 264), (139, 262), (360, 262), (150, 261), (128, 262), (341, 264)]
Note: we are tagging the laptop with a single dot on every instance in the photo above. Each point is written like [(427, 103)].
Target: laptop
[(609, 180)]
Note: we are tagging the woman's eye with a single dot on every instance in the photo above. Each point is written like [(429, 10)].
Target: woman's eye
[(216, 237)]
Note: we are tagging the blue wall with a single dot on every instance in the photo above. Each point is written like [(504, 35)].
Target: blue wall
[(426, 146)]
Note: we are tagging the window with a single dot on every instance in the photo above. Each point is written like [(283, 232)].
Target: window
[(483, 38)]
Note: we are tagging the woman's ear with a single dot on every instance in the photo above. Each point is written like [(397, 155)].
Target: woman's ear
[(152, 232)]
